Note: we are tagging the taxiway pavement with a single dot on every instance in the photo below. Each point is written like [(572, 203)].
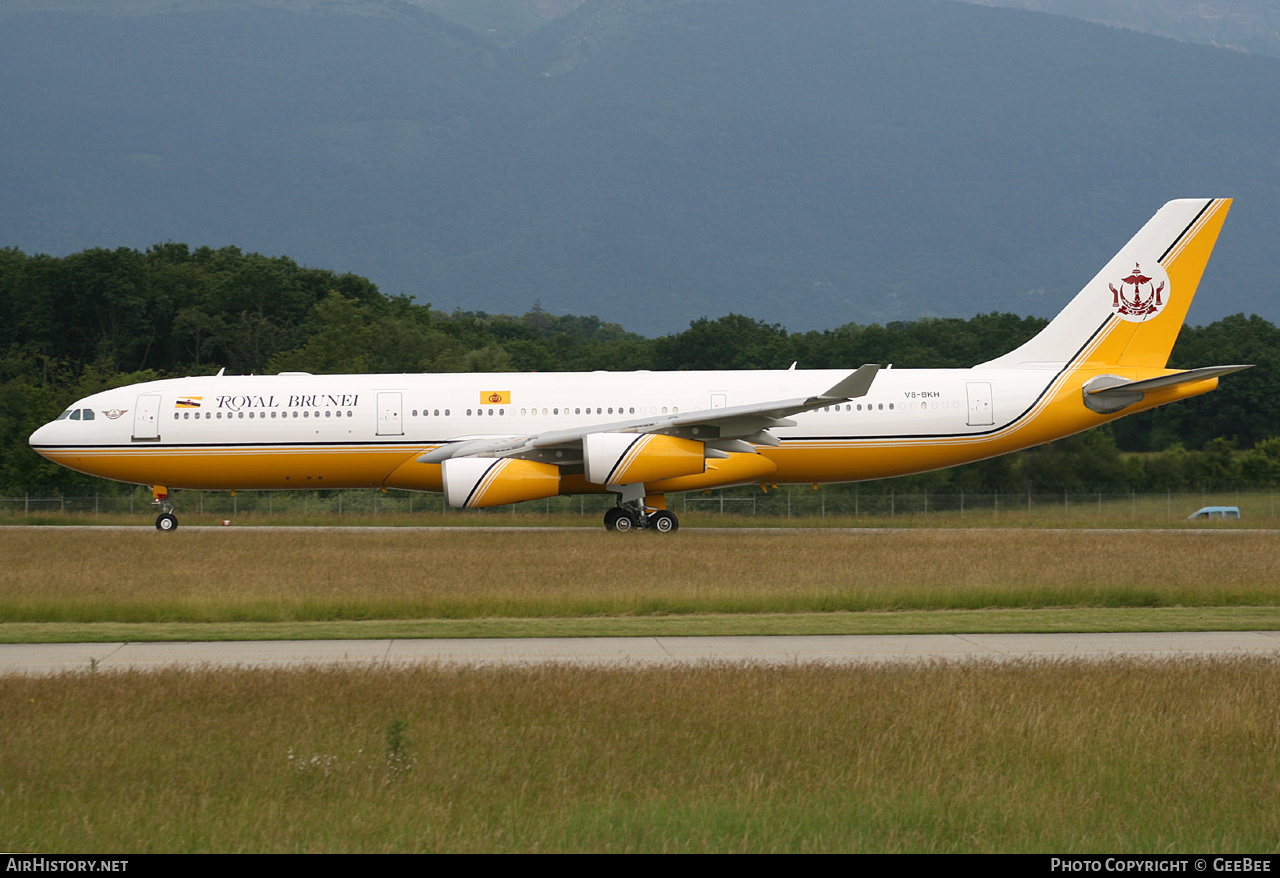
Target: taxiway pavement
[(631, 652)]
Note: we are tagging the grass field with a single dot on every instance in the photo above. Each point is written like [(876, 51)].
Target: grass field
[(1041, 756), (1112, 757), (247, 577)]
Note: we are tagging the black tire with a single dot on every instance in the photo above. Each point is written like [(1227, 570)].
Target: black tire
[(166, 522), (624, 523), (611, 518), (664, 522)]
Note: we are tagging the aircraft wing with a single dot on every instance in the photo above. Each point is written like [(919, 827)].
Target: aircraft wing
[(730, 429)]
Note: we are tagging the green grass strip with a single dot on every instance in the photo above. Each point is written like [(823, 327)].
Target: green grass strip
[(993, 621)]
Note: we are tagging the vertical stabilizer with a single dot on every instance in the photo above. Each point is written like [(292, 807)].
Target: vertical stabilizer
[(1131, 312)]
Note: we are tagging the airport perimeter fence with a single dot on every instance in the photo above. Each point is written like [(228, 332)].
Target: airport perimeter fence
[(788, 501)]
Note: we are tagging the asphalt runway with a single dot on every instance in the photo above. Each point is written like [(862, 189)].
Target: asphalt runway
[(631, 652)]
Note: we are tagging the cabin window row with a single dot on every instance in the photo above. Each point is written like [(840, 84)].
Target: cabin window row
[(579, 410), (880, 406)]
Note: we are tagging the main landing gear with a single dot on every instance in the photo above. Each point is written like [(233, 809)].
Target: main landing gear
[(166, 521), (633, 516)]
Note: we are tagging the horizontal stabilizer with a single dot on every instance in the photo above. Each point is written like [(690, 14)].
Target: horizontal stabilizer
[(1107, 394)]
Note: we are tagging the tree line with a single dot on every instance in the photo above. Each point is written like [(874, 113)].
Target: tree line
[(74, 325)]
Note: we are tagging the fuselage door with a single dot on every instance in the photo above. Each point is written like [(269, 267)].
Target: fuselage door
[(980, 408), (390, 421), (146, 418)]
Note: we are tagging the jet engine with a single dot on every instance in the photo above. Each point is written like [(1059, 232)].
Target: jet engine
[(628, 458), (475, 482)]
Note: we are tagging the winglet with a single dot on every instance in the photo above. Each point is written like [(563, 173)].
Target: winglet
[(854, 386)]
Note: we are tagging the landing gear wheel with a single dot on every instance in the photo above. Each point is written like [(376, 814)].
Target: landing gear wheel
[(664, 522), (166, 521), (615, 515), (624, 522)]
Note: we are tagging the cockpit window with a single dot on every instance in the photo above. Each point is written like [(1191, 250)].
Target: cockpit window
[(75, 416), (88, 414), (64, 415)]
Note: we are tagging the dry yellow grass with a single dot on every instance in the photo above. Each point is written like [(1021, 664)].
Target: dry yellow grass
[(247, 575), (1062, 757)]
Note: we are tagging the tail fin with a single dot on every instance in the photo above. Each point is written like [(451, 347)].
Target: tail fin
[(1131, 313)]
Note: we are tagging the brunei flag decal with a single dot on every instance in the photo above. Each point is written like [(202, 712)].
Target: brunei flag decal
[(495, 397), (188, 402)]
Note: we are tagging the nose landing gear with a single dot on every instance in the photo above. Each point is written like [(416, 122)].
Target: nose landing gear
[(166, 521)]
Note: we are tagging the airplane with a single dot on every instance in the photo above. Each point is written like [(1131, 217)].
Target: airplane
[(498, 438)]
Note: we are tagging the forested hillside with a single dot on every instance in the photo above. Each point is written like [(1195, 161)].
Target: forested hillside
[(804, 162), (101, 318)]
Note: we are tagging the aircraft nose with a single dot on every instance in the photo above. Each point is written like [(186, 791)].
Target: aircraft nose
[(42, 436)]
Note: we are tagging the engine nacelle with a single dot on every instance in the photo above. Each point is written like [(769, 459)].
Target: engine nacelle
[(628, 458), (476, 482)]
